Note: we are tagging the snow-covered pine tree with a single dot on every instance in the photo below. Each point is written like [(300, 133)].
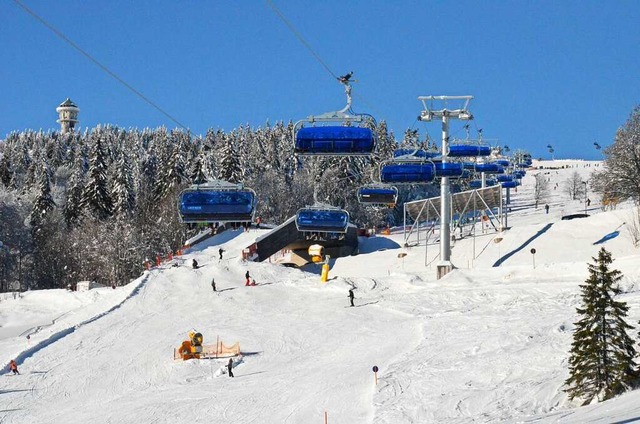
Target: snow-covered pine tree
[(122, 191), (230, 169), (44, 201), (95, 198), (198, 174), (31, 176), (6, 173), (410, 140), (386, 143), (75, 188), (171, 171), (601, 364)]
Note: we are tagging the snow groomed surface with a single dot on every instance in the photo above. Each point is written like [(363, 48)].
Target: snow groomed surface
[(481, 345)]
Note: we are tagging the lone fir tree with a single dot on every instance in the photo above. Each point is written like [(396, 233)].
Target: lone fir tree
[(601, 364)]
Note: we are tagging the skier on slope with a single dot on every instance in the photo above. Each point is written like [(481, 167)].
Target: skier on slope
[(248, 282), (351, 296), (194, 264), (220, 252), (213, 284), (230, 367), (14, 367)]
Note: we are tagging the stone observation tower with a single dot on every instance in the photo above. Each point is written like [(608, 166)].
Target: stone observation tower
[(68, 113)]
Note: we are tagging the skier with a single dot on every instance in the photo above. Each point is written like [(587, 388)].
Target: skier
[(220, 252), (14, 367), (248, 278), (230, 366), (546, 208), (588, 202), (351, 296), (213, 284), (194, 264)]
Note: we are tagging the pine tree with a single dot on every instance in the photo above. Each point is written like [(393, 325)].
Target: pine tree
[(198, 174), (95, 198), (171, 172), (122, 191), (230, 169), (75, 187), (44, 201), (6, 173), (601, 364)]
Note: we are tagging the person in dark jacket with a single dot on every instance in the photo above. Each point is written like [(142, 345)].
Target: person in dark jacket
[(248, 282), (220, 252), (213, 284), (230, 367), (194, 264), (351, 296)]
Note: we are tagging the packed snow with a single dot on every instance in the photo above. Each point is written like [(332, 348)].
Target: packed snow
[(486, 343)]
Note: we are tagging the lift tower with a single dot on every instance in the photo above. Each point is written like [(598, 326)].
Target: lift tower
[(428, 114)]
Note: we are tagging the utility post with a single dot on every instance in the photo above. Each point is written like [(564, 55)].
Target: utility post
[(445, 114)]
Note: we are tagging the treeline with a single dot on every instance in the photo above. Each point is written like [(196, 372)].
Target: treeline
[(97, 204)]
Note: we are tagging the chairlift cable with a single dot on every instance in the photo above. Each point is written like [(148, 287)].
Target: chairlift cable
[(313, 52), (100, 65), (301, 38)]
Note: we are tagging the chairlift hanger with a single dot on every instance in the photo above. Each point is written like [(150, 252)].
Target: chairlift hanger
[(336, 140)]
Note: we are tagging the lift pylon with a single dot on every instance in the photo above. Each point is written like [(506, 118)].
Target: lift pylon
[(444, 113)]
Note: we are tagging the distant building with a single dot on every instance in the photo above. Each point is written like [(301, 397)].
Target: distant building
[(68, 113)]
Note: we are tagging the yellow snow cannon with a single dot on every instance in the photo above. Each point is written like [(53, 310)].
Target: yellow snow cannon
[(316, 252), (191, 348)]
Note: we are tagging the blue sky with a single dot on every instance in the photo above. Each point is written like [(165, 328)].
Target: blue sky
[(565, 73)]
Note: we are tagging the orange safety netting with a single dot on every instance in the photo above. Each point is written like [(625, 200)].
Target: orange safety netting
[(213, 351)]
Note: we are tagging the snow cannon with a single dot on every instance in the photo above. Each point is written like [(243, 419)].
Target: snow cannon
[(191, 348), (324, 276), (316, 252)]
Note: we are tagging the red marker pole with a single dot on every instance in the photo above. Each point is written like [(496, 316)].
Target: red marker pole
[(375, 373)]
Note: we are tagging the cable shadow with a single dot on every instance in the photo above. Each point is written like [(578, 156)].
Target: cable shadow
[(2, 392), (365, 304), (224, 290), (523, 245), (630, 420), (246, 375)]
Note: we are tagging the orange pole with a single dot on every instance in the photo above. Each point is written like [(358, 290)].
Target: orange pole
[(217, 344), (326, 419), (376, 374)]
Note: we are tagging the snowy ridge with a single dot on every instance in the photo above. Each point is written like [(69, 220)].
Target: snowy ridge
[(20, 357)]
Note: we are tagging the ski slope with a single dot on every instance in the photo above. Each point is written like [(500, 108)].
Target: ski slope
[(484, 344)]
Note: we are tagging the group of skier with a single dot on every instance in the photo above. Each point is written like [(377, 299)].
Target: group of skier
[(249, 281)]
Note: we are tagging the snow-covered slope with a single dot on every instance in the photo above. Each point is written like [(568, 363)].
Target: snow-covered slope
[(484, 344)]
